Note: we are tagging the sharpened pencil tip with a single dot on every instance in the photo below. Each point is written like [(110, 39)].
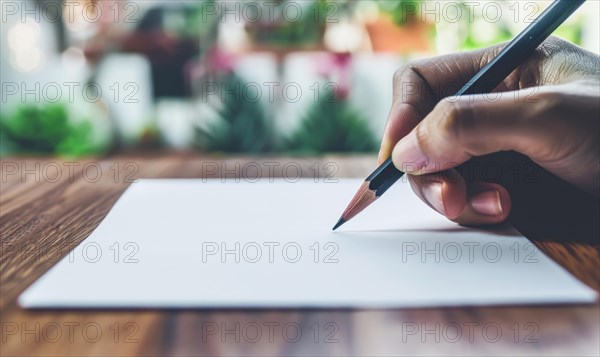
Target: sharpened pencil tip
[(339, 223)]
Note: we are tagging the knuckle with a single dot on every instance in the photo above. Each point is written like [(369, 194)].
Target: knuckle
[(459, 127), (407, 83), (558, 43), (399, 73), (551, 47), (456, 119), (561, 60)]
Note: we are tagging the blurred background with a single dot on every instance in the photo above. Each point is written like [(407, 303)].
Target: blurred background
[(307, 77)]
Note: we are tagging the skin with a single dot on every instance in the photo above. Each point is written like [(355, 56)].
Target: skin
[(548, 109)]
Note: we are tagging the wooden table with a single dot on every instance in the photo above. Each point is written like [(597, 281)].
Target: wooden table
[(48, 206)]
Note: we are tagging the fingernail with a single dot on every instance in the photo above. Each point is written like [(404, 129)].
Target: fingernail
[(432, 192), (408, 154), (487, 203)]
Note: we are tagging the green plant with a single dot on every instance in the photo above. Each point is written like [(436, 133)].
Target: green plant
[(46, 129), (288, 31), (241, 126), (332, 125)]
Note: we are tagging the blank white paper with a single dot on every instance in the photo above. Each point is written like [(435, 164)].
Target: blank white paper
[(209, 244)]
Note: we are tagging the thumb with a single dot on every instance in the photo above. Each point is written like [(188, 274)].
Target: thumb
[(460, 128)]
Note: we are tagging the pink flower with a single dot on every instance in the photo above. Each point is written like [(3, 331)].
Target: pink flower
[(220, 61), (335, 67)]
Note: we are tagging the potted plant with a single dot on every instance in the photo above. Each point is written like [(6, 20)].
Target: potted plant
[(399, 27)]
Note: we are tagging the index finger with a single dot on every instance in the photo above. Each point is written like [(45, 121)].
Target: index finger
[(420, 85)]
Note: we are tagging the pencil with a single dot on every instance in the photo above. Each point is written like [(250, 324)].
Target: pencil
[(488, 78)]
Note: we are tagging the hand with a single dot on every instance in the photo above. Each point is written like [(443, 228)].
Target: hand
[(547, 109)]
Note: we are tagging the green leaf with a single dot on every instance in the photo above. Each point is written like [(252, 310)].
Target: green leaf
[(331, 125), (242, 124), (46, 129)]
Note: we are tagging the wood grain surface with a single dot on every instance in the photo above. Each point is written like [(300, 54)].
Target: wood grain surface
[(48, 206)]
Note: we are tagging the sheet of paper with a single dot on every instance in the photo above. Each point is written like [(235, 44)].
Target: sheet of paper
[(208, 244)]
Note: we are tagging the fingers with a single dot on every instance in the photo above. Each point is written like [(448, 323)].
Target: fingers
[(481, 203), (418, 86), (487, 203), (460, 128)]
